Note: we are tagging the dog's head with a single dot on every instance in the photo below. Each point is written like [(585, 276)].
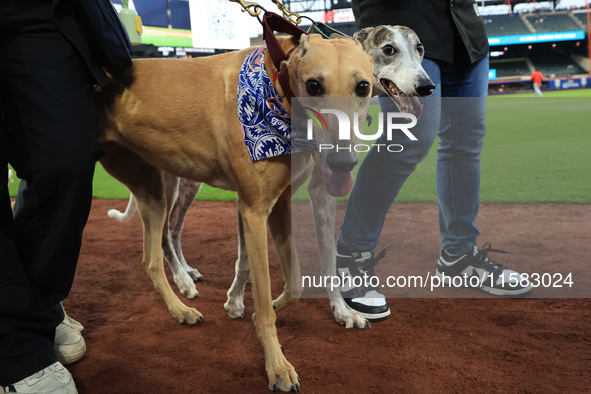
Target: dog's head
[(328, 73), (397, 53)]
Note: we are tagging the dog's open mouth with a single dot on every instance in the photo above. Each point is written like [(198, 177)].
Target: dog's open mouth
[(406, 103), (337, 184)]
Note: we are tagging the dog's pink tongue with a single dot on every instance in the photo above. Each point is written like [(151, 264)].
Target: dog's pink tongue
[(411, 105), (337, 184)]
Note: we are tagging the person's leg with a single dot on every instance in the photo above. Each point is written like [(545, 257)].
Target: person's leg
[(26, 325), (537, 90), (52, 142), (382, 173), (461, 138)]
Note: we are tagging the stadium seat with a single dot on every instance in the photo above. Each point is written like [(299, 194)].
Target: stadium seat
[(511, 69), (504, 25), (550, 23), (557, 66)]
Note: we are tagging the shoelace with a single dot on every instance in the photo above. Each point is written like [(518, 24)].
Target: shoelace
[(369, 264), (367, 267), (55, 372), (488, 263)]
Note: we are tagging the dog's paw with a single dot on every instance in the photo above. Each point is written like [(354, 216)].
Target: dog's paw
[(345, 317), (194, 274), (190, 292), (235, 308), (283, 301), (283, 376), (186, 286), (354, 321), (186, 315)]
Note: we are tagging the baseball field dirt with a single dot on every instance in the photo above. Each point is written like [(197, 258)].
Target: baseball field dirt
[(440, 345)]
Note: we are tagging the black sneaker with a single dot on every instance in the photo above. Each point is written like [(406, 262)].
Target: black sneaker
[(478, 271), (355, 269)]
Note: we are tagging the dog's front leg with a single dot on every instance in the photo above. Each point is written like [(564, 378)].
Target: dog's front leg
[(280, 227), (280, 372), (324, 209)]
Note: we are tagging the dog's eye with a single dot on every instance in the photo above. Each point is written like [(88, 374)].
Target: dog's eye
[(362, 89), (420, 48), (314, 88), (388, 50)]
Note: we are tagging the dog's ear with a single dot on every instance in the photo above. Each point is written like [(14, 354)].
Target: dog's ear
[(304, 45), (362, 34), (305, 41), (337, 36)]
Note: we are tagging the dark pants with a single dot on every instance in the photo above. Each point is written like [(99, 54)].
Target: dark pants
[(48, 133)]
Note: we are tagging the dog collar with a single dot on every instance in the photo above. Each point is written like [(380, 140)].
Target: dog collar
[(272, 22), (266, 125)]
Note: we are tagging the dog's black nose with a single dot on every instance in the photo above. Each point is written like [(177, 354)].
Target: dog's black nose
[(341, 161), (425, 89)]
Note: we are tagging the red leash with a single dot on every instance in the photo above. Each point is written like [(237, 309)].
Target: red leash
[(276, 23)]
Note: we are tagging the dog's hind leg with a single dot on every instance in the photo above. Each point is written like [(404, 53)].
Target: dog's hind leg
[(153, 214), (235, 302), (183, 275), (146, 182), (187, 192), (280, 226), (180, 275), (324, 209)]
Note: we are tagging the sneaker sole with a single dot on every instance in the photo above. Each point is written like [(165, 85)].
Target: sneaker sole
[(505, 293), (371, 317), (488, 289)]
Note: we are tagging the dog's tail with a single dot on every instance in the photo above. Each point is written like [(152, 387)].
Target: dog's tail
[(129, 211)]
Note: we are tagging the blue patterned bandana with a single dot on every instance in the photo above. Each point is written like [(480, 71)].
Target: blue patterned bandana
[(266, 126)]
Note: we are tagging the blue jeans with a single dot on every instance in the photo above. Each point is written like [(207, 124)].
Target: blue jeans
[(456, 113)]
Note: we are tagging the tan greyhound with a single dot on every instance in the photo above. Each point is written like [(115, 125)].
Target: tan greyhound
[(170, 118), (397, 54)]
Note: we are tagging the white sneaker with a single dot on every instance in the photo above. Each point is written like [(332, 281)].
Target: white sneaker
[(360, 297), (55, 379), (69, 344), (490, 276), (75, 324)]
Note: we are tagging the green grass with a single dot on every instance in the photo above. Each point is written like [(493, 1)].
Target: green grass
[(162, 36), (558, 93), (108, 188), (536, 151)]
